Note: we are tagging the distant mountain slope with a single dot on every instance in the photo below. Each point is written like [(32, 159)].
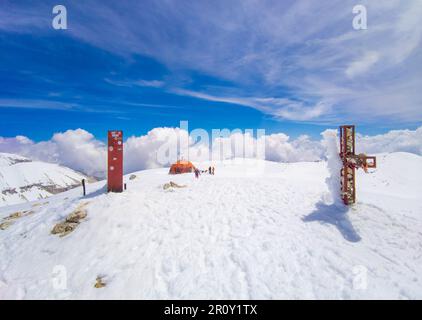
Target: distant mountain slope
[(8, 159), (22, 179)]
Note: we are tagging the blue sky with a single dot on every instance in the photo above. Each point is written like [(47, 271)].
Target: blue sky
[(296, 67)]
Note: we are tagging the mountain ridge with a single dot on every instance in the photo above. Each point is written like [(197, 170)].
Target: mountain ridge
[(23, 179)]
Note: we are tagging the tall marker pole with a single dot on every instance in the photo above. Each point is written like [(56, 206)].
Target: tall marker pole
[(115, 161)]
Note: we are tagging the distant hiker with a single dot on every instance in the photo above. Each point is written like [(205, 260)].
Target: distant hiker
[(210, 170), (196, 173), (213, 170)]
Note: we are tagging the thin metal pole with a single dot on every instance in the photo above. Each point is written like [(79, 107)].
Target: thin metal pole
[(83, 187)]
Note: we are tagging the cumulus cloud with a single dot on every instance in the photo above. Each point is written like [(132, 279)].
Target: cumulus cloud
[(79, 150), (14, 145), (156, 149), (76, 149), (279, 148), (393, 141)]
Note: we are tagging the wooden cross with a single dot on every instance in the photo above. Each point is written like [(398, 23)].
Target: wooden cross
[(351, 161)]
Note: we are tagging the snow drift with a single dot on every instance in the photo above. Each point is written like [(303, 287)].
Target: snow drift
[(334, 165)]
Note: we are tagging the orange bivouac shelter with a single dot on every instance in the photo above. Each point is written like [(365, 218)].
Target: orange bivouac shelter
[(181, 166)]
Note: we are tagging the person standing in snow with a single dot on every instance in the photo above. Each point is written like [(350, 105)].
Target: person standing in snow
[(209, 170), (196, 173)]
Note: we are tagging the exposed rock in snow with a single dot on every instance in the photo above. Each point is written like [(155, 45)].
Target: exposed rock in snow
[(254, 230), (99, 282), (71, 221), (172, 184)]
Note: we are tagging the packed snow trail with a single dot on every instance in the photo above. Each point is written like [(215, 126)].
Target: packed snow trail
[(255, 230)]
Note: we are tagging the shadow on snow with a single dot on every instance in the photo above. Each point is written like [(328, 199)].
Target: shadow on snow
[(337, 216)]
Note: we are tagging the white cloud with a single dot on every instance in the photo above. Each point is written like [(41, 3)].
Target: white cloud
[(79, 150), (144, 152), (280, 148), (393, 141), (150, 83), (76, 149), (282, 108), (36, 104), (14, 145), (299, 111), (134, 83), (362, 65)]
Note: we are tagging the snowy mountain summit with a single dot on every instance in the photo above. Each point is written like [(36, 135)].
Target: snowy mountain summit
[(22, 179), (254, 230)]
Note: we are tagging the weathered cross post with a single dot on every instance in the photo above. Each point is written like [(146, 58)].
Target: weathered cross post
[(351, 161)]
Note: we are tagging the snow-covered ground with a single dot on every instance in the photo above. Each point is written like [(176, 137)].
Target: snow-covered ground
[(255, 230), (22, 179)]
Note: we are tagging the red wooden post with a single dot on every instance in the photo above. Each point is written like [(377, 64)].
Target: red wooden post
[(115, 161)]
